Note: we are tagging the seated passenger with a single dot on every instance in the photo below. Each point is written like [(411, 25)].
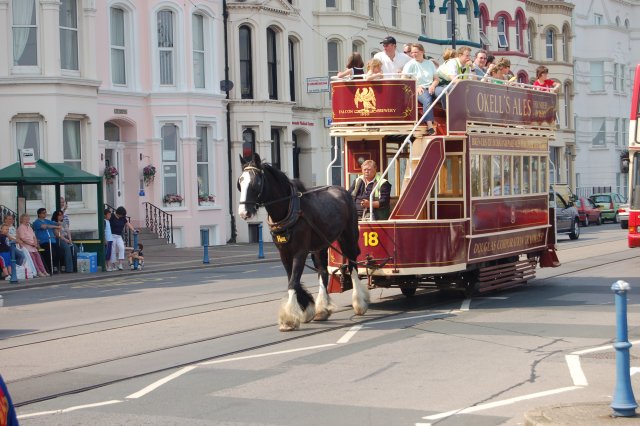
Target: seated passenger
[(361, 191), (374, 70), (543, 83), (454, 69), (391, 60), (355, 66), (424, 72)]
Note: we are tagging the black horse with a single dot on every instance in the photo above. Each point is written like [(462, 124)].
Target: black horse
[(303, 222)]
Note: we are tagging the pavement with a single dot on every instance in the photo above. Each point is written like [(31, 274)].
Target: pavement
[(180, 259), (164, 260)]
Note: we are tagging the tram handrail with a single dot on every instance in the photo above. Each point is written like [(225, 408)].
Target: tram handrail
[(335, 153), (404, 143)]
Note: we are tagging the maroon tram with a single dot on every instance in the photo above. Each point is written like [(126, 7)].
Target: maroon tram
[(470, 205)]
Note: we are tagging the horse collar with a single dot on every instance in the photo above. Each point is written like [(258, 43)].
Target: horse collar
[(281, 230)]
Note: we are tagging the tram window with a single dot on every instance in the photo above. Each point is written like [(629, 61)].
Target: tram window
[(496, 175), (534, 175), (543, 173), (526, 175), (486, 175), (450, 181), (506, 175), (517, 174), (476, 183)]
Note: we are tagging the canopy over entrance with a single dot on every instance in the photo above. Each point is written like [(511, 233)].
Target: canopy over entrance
[(56, 174)]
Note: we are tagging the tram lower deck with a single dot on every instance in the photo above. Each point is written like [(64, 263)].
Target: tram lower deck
[(469, 205)]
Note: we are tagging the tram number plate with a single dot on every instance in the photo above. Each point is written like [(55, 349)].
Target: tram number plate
[(370, 239)]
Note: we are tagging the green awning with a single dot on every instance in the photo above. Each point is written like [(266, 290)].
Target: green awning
[(45, 173)]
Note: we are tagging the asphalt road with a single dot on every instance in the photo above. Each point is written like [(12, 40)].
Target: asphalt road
[(201, 347)]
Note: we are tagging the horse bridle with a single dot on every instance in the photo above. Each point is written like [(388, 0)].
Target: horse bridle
[(257, 171)]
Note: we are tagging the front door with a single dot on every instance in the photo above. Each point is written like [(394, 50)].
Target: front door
[(112, 189)]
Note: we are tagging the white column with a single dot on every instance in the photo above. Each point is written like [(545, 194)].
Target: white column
[(49, 37), (7, 57), (88, 40)]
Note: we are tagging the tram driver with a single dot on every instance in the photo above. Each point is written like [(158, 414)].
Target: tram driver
[(361, 190)]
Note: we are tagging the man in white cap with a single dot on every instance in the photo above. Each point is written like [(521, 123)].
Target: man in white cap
[(392, 60)]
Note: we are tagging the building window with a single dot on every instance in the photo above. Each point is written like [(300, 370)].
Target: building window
[(469, 16), (624, 124), (423, 17), (68, 35), (248, 143), (272, 64), (353, 5), (72, 147), (617, 21), (25, 32), (27, 135), (332, 50), (169, 135), (450, 13), (331, 3), (565, 44), (616, 131), (503, 42), (166, 49), (518, 35), (372, 9), (531, 35), (596, 73), (598, 131), (118, 48), (203, 164), (597, 19), (616, 77), (275, 147), (199, 80), (567, 104), (111, 132), (626, 23), (550, 45), (394, 13), (292, 69), (246, 71)]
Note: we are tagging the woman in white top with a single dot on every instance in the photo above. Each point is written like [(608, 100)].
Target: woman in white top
[(424, 71)]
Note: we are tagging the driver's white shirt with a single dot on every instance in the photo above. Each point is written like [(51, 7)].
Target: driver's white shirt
[(392, 66)]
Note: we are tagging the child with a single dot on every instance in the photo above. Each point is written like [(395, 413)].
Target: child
[(374, 70), (543, 83), (137, 254), (108, 238)]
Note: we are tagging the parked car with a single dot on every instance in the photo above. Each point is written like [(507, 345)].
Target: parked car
[(623, 215), (609, 203), (588, 211), (567, 217)]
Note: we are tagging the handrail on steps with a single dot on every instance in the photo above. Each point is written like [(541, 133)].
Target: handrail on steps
[(158, 221)]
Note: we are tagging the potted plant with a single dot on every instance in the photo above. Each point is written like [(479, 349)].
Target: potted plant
[(148, 174), (172, 200), (110, 172), (206, 199)]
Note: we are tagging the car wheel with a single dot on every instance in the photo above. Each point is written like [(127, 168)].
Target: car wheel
[(586, 221), (599, 221), (575, 230), (624, 224), (616, 217)]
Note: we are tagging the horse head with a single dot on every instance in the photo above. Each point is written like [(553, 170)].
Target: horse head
[(250, 185)]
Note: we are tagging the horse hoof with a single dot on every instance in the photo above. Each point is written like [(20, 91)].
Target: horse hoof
[(322, 316), (309, 313), (287, 327), (360, 310)]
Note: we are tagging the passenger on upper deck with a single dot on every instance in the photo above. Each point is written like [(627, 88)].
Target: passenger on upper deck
[(361, 191), (355, 66), (392, 60), (374, 70), (424, 72), (543, 83), (458, 67), (480, 63)]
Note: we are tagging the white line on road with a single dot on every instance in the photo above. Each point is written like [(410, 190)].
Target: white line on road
[(406, 318), (249, 271), (575, 370), (504, 402), (153, 386), (66, 410), (240, 358), (349, 334), (600, 348), (467, 302), (465, 305)]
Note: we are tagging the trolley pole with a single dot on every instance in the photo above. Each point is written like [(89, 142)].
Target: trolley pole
[(260, 243), (204, 235), (624, 403)]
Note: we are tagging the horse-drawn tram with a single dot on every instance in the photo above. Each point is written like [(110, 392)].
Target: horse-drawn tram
[(469, 205)]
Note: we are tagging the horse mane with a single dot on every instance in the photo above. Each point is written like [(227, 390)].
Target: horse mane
[(282, 178)]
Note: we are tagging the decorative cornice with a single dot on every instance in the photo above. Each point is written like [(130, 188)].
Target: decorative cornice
[(71, 81), (285, 10), (549, 7)]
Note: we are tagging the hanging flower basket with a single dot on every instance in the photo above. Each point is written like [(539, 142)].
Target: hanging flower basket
[(110, 172), (148, 174)]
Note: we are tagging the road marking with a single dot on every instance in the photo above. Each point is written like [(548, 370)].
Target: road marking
[(575, 370), (405, 318), (349, 334), (467, 302), (502, 403), (465, 305), (153, 386), (249, 271), (240, 358), (66, 410)]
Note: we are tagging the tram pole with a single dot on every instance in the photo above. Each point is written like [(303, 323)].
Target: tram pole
[(624, 403)]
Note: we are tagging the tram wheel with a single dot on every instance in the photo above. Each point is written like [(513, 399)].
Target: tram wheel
[(408, 291)]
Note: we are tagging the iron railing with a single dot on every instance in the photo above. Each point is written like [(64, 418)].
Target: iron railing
[(159, 222)]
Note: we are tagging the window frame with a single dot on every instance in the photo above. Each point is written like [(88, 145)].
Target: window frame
[(27, 68), (199, 51), (503, 34), (335, 59), (600, 133), (596, 79), (167, 49), (272, 63), (292, 45), (123, 48), (74, 55), (170, 163), (70, 161), (550, 45), (209, 162), (394, 13), (245, 59)]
